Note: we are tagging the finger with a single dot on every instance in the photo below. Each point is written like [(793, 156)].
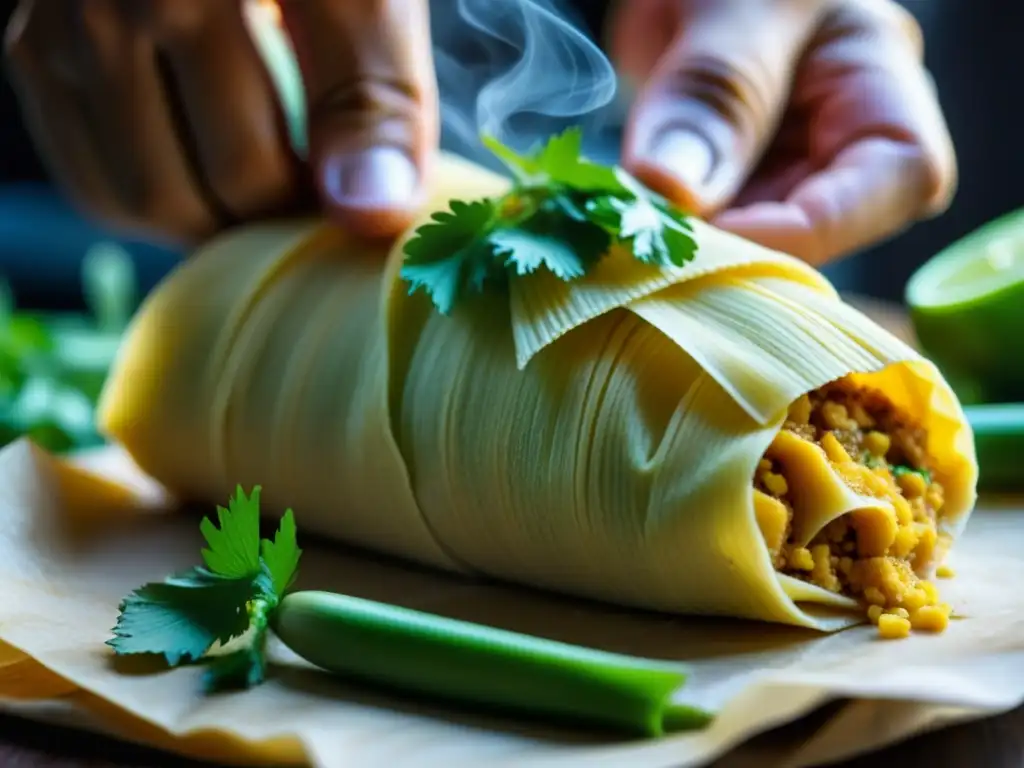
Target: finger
[(373, 122), (882, 156), (786, 162), (865, 195), (228, 104), (127, 102), (715, 98), (874, 53), (40, 52)]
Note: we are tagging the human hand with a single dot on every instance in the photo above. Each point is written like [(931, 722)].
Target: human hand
[(810, 126), (159, 115)]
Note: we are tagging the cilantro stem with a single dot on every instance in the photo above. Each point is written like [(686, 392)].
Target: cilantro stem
[(259, 610)]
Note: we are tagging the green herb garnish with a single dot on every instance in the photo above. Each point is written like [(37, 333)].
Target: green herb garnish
[(562, 214), (901, 469), (869, 459), (184, 616)]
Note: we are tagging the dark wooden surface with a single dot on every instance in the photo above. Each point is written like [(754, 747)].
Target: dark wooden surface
[(996, 742)]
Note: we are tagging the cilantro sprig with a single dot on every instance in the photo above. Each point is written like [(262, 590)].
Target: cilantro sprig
[(243, 581), (562, 214)]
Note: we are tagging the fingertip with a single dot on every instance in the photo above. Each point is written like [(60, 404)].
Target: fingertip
[(373, 223), (657, 178), (374, 192), (677, 165)]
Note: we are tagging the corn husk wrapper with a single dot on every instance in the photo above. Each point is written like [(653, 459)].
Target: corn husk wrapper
[(596, 437), (75, 539)]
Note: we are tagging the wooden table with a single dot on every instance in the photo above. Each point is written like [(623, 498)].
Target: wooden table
[(996, 742)]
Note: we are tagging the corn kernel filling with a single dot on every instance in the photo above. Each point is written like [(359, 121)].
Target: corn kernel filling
[(881, 560)]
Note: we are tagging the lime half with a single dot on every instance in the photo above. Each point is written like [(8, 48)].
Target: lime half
[(967, 307)]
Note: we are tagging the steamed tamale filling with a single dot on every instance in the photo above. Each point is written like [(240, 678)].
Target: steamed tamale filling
[(881, 558)]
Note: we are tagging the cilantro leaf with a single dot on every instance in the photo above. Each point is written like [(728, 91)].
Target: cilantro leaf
[(564, 246), (183, 616), (528, 251), (281, 556), (655, 235), (641, 224), (451, 254), (559, 161), (234, 548), (448, 279), (245, 578)]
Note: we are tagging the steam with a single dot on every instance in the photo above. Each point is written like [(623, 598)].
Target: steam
[(518, 70)]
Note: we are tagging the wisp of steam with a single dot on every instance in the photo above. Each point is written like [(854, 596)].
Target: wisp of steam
[(518, 70)]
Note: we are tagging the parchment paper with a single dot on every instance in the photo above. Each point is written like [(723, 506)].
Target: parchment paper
[(74, 540)]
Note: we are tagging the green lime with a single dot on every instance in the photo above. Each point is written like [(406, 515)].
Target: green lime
[(967, 307)]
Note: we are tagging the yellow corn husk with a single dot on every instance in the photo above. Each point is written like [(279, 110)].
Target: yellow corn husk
[(596, 437)]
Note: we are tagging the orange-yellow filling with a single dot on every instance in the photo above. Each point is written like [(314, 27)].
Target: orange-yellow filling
[(881, 559)]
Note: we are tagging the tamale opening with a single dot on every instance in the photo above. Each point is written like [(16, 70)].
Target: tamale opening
[(880, 554)]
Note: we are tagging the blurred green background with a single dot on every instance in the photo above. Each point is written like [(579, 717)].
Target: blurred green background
[(53, 365)]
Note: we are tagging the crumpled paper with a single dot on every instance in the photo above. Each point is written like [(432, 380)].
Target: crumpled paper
[(76, 538)]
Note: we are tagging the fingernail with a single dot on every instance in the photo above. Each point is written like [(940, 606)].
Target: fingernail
[(687, 155), (381, 177)]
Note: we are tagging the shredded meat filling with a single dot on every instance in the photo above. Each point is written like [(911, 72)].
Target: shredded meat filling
[(883, 560)]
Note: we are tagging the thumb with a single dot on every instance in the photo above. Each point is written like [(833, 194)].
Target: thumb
[(372, 106), (715, 98)]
